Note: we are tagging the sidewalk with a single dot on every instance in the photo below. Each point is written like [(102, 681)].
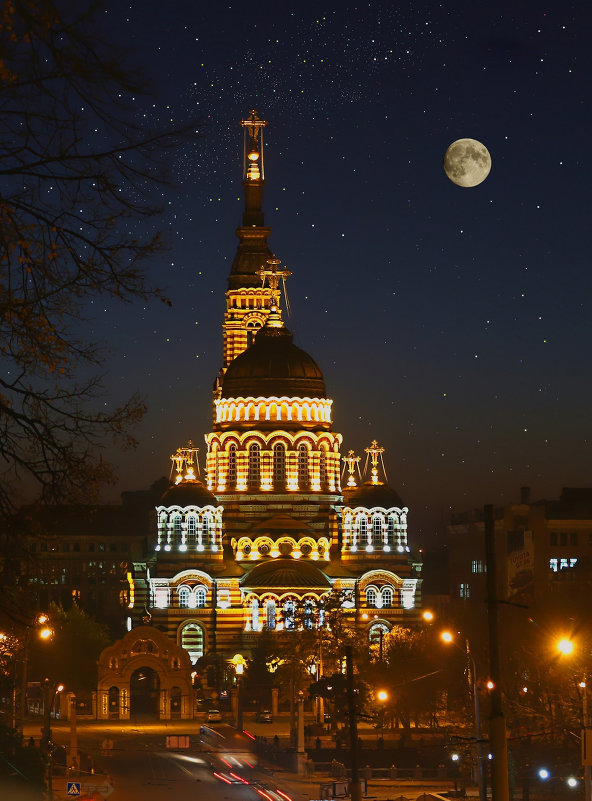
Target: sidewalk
[(301, 788)]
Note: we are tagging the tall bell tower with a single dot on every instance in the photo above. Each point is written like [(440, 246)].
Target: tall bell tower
[(247, 299)]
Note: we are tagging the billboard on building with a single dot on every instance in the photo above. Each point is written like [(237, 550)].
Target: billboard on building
[(520, 569)]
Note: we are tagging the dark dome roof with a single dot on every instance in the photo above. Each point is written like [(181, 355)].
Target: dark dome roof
[(370, 495), (273, 366), (188, 493), (284, 574)]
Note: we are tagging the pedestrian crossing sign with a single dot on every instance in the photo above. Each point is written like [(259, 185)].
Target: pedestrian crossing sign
[(73, 790)]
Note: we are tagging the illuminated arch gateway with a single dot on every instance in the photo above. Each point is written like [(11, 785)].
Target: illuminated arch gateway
[(269, 539)]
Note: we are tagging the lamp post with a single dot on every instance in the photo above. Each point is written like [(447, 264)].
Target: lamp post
[(448, 638), (51, 690), (239, 663), (565, 647), (382, 696)]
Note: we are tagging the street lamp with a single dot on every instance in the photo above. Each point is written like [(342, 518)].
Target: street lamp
[(239, 663), (448, 638), (51, 690), (565, 647), (382, 696)]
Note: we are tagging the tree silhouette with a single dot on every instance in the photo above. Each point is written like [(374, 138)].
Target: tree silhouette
[(79, 164)]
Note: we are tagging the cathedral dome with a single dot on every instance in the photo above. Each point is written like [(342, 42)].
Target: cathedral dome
[(286, 574), (188, 493), (370, 496), (273, 367)]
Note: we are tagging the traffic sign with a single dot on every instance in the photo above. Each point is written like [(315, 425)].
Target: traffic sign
[(73, 790)]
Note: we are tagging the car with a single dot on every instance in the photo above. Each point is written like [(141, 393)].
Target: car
[(214, 716), (264, 716)]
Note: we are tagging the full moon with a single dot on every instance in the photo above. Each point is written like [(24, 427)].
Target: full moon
[(467, 162)]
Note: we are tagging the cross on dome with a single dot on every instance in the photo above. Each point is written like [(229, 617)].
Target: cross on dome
[(273, 276), (374, 452), (185, 460)]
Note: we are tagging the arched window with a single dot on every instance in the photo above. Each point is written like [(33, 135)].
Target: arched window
[(391, 530), (387, 597), (279, 467), (232, 467), (303, 480), (191, 530), (184, 597), (371, 597), (323, 469), (177, 527), (207, 529), (377, 529), (252, 328), (254, 478), (377, 633), (200, 597), (308, 614), (289, 610), (362, 528), (255, 614), (270, 615), (192, 640)]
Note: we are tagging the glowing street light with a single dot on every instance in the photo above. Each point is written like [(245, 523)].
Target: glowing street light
[(565, 646), (449, 639)]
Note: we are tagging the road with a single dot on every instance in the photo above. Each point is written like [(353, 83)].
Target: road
[(219, 765)]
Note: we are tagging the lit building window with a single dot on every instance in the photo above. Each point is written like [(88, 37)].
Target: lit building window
[(377, 633), (377, 529), (371, 597), (177, 527), (270, 615), (464, 591), (387, 597), (232, 467), (254, 466), (308, 614), (192, 640), (279, 468), (554, 565), (478, 566), (255, 614), (184, 597), (362, 528), (191, 529), (303, 480), (200, 597), (289, 610)]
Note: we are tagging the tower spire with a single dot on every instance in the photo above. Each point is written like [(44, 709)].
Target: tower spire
[(273, 276), (253, 250)]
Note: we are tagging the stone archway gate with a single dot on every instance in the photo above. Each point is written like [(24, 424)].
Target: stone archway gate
[(144, 647)]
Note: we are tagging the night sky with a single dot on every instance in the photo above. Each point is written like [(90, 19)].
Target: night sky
[(452, 324)]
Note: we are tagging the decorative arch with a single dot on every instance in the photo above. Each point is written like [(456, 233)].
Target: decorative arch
[(149, 650)]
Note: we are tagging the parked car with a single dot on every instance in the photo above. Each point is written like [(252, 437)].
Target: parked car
[(214, 716), (264, 716)]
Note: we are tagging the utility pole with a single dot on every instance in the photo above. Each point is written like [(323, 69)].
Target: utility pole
[(356, 791), (497, 723)]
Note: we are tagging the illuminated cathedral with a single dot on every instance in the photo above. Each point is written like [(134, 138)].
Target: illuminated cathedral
[(269, 531)]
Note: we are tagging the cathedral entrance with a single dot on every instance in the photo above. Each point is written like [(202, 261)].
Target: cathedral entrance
[(144, 692)]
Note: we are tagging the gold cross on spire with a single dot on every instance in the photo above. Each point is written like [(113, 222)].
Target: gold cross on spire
[(374, 451), (185, 459), (273, 276), (352, 462)]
